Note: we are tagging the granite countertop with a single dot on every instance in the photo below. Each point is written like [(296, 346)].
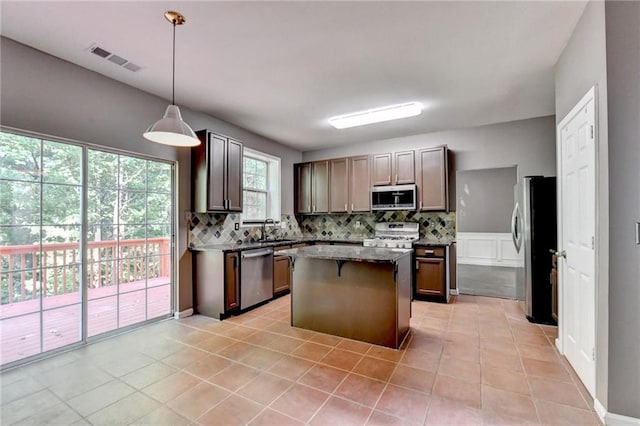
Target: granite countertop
[(236, 246), (355, 253), (434, 242)]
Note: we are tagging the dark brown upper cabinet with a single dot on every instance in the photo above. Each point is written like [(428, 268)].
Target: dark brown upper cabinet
[(320, 187), (349, 185), (339, 181), (302, 185), (312, 187), (339, 185), (359, 184), (216, 167), (394, 168), (433, 184)]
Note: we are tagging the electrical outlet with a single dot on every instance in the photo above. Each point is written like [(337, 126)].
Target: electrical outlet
[(236, 226), (357, 224), (283, 225)]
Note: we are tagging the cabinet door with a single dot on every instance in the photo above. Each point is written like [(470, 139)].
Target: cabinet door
[(359, 187), (320, 187), (303, 188), (281, 274), (382, 169), (231, 281), (430, 277), (404, 164), (339, 185), (216, 173), (234, 176), (432, 184)]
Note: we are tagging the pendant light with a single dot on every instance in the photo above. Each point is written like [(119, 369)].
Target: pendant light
[(171, 129)]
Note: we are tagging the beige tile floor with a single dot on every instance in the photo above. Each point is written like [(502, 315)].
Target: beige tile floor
[(474, 361)]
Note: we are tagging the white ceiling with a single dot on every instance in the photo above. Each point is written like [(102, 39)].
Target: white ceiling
[(281, 69)]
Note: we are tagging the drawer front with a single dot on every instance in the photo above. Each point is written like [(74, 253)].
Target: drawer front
[(430, 251)]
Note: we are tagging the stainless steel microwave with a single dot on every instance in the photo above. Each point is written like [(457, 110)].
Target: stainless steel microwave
[(393, 197)]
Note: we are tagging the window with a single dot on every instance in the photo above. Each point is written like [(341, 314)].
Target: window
[(261, 187)]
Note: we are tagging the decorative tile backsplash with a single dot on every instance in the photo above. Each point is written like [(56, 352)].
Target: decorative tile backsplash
[(343, 226), (217, 228)]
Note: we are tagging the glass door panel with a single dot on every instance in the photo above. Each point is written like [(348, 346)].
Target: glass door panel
[(40, 229), (132, 213)]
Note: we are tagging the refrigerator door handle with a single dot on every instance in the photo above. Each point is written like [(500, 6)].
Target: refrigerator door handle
[(516, 233)]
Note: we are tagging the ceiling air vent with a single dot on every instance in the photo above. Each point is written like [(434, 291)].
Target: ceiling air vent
[(118, 60), (100, 52)]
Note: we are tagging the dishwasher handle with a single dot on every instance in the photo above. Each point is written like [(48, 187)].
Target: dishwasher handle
[(256, 253)]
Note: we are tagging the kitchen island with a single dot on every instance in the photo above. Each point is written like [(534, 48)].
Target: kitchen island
[(361, 293)]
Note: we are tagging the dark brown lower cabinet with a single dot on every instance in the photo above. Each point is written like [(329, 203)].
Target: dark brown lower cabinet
[(231, 281), (281, 274), (430, 276)]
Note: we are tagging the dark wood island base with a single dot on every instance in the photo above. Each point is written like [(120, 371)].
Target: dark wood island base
[(353, 292)]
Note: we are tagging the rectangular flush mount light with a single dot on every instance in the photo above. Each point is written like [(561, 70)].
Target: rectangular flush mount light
[(376, 115)]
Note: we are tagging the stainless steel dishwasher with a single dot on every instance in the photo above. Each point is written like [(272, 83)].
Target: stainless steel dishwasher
[(256, 276)]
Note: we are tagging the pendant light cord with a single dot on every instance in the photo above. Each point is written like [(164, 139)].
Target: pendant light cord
[(173, 80)]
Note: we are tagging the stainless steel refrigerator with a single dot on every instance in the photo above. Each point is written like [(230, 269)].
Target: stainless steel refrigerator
[(534, 230)]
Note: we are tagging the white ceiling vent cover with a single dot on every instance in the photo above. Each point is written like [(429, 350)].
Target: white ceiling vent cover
[(112, 57)]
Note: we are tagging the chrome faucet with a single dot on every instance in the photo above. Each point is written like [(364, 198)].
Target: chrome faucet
[(264, 228)]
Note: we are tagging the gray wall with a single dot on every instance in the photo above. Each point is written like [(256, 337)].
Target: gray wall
[(582, 65), (485, 199), (41, 93), (529, 144), (623, 85)]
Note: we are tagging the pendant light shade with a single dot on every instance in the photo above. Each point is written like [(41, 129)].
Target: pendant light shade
[(171, 129)]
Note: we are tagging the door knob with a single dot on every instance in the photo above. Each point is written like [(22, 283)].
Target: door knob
[(561, 253)]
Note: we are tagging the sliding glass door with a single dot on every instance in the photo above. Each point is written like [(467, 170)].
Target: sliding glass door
[(79, 225), (129, 266)]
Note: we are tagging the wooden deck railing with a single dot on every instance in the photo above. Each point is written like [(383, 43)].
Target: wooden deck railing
[(55, 266)]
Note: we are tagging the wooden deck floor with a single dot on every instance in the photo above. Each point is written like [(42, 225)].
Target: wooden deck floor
[(60, 321)]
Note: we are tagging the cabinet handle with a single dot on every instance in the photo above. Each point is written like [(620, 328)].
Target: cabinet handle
[(345, 207), (429, 252), (308, 208), (389, 178), (396, 178), (314, 208), (351, 206), (420, 205)]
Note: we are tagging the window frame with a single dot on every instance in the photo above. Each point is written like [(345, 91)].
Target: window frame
[(273, 194)]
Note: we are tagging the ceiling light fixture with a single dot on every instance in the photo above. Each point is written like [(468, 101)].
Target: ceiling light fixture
[(171, 129), (376, 115)]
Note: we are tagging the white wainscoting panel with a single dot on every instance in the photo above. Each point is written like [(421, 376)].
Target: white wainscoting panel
[(488, 249)]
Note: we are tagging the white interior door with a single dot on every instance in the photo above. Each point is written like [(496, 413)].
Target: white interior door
[(576, 191)]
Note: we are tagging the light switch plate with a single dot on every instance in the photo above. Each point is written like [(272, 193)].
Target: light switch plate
[(236, 226)]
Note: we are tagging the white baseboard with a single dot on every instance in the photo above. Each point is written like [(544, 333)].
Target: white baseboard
[(454, 292), (488, 249), (183, 314), (612, 419), (600, 410)]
